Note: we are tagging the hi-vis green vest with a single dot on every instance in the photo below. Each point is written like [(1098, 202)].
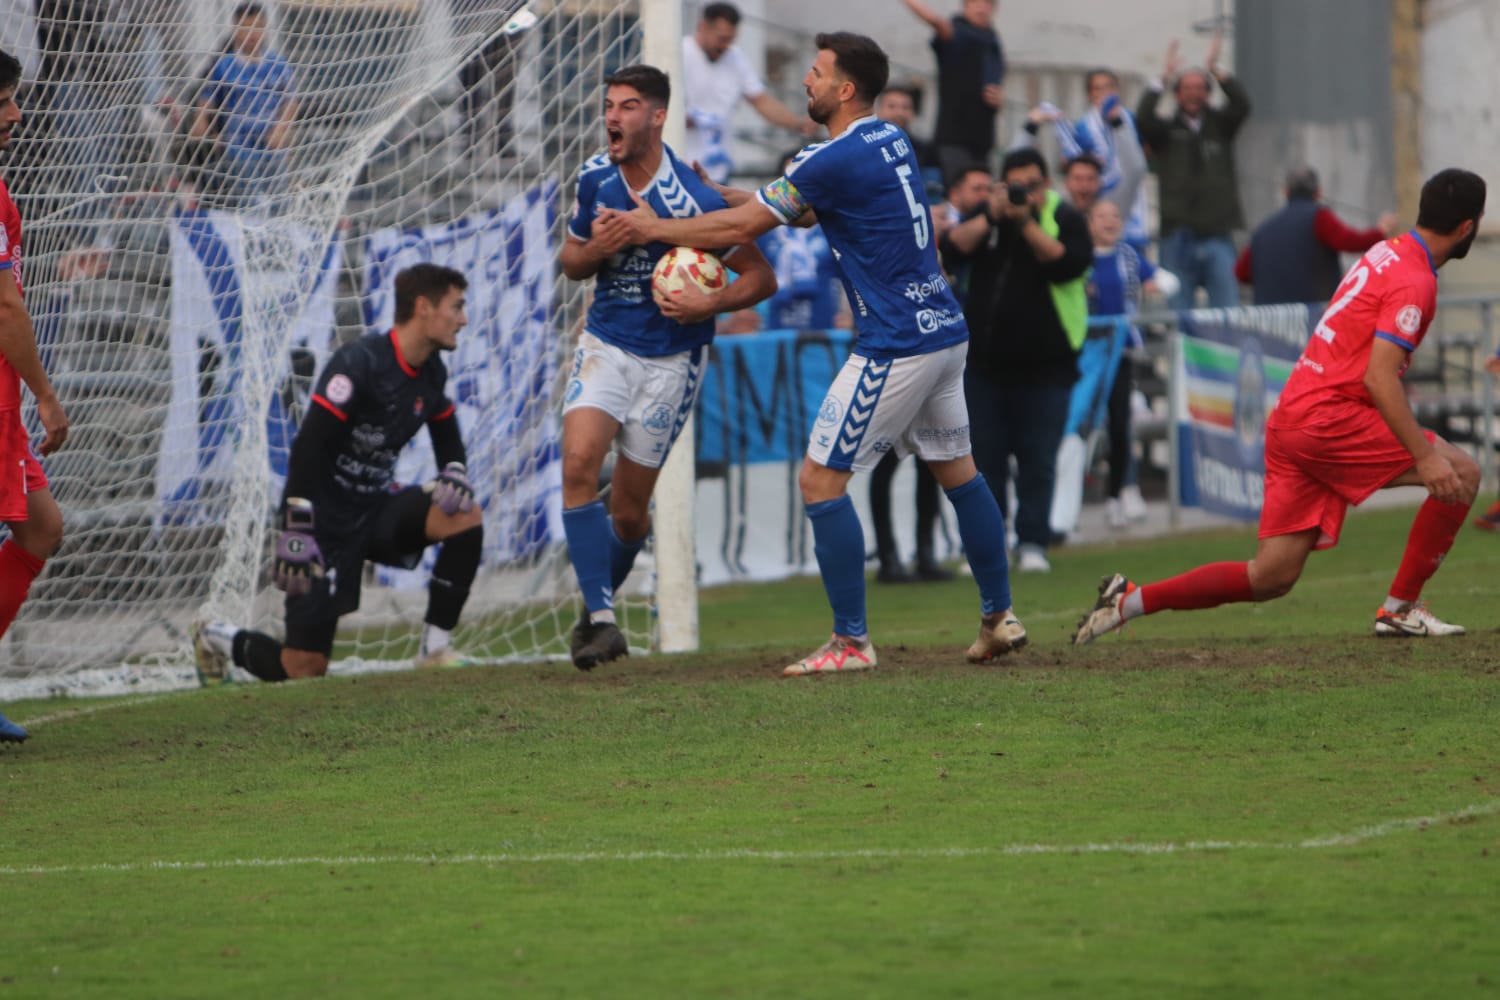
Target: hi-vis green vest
[(1069, 298)]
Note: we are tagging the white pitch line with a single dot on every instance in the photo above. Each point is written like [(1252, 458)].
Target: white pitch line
[(103, 706), (1349, 839)]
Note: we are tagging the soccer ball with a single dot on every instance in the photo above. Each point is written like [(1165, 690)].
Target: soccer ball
[(680, 265)]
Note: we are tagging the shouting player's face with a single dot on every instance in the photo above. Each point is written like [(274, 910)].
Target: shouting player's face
[(10, 116), (446, 318), (630, 121), (823, 84)]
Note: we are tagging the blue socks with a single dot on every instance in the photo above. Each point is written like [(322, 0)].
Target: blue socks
[(982, 528), (622, 556), (589, 547), (839, 543)]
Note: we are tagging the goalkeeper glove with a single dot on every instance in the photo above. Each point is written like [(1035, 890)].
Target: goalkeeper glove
[(452, 493), (299, 561)]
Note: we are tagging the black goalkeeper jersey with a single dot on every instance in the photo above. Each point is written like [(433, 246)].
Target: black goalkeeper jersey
[(382, 402)]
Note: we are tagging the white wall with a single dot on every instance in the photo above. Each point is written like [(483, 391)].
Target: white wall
[(1460, 86)]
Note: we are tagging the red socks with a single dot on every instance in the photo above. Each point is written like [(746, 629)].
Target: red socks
[(1205, 587), (1431, 537), (17, 569)]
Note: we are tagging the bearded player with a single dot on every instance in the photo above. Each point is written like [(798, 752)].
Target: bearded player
[(639, 363), (26, 504), (1343, 429), (902, 389)]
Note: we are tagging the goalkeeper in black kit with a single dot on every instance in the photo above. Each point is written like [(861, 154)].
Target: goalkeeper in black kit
[(342, 505)]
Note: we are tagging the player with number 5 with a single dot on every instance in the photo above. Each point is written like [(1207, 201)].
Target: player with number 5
[(342, 506), (902, 389), (1343, 429)]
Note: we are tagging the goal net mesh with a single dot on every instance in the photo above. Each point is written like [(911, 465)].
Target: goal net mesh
[(207, 216)]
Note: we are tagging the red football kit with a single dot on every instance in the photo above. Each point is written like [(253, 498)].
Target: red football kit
[(1326, 445), (20, 472)]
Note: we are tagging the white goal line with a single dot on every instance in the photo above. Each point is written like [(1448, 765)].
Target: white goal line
[(1348, 839)]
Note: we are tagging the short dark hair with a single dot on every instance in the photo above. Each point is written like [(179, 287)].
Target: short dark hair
[(722, 12), (911, 90), (859, 58), (1026, 156), (1085, 159), (1449, 199), (1088, 78), (1302, 184), (250, 8), (10, 71), (426, 281), (648, 81), (958, 176)]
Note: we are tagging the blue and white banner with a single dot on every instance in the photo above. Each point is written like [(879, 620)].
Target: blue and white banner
[(503, 374), (273, 278)]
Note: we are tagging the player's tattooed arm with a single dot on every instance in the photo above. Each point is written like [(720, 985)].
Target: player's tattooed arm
[(726, 227)]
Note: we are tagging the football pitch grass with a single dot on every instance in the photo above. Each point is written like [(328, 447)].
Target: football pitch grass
[(1261, 801)]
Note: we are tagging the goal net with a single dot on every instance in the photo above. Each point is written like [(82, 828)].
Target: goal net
[(209, 211)]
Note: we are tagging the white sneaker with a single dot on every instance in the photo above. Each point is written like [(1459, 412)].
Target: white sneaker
[(1415, 622), (840, 654), (213, 650), (1114, 513), (1032, 559), (1003, 635), (1107, 613), (1133, 503)]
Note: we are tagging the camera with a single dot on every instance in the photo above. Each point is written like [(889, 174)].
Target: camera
[(1017, 193)]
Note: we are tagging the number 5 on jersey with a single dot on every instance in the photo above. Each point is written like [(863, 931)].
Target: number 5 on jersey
[(919, 223)]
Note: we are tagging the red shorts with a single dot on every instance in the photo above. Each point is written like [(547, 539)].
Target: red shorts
[(1333, 458), (20, 472)]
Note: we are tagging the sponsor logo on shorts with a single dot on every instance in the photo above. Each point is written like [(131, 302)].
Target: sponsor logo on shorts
[(575, 389), (340, 389), (658, 419), (943, 433), (881, 447), (1409, 320), (830, 412)]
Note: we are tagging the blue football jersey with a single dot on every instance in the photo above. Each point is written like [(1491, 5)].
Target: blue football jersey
[(866, 187), (623, 312)]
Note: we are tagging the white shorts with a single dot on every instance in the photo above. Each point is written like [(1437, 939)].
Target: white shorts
[(914, 405), (650, 397)]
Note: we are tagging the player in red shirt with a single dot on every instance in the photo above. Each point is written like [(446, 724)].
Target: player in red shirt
[(1343, 429), (26, 505)]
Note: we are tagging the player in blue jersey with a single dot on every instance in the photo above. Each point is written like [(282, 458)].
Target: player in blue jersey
[(639, 362), (903, 386)]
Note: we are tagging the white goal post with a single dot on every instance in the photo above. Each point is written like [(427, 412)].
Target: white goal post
[(188, 281)]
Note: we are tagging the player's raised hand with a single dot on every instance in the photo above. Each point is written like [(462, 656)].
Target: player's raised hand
[(54, 422), (452, 493), (1214, 48), (1441, 480), (299, 561), (1172, 65)]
